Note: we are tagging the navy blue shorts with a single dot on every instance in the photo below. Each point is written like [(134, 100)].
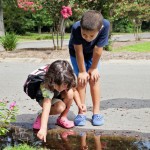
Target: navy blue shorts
[(88, 63)]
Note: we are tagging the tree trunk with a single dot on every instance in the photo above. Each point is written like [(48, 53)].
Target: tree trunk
[(62, 31), (39, 29), (53, 38), (2, 32)]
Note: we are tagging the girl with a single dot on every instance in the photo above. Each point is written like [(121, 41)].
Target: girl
[(55, 96)]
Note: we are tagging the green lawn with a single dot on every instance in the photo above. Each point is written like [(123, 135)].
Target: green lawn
[(21, 147), (36, 36), (139, 47)]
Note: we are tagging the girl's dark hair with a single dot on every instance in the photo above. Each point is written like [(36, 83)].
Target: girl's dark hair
[(92, 20), (60, 72)]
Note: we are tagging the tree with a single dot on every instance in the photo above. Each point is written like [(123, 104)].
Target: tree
[(41, 18), (136, 11), (1, 19), (58, 11), (49, 12), (20, 21)]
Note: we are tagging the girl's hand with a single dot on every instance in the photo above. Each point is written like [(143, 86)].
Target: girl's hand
[(42, 134), (83, 78), (94, 74), (82, 108)]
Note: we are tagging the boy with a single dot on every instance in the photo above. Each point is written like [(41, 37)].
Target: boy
[(85, 47)]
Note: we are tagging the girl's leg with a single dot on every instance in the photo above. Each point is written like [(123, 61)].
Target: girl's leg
[(57, 108), (62, 119), (67, 99)]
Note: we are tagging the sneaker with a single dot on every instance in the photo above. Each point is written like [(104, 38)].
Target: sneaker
[(97, 120), (37, 123), (80, 120)]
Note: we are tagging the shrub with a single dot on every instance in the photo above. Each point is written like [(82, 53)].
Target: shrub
[(109, 46), (123, 25), (7, 115), (9, 41)]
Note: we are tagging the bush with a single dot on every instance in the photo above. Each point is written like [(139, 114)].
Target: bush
[(123, 25), (9, 41), (109, 46), (7, 115)]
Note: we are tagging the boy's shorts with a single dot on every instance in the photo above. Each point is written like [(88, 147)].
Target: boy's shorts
[(87, 62), (55, 99)]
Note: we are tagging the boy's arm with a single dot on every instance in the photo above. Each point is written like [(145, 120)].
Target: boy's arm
[(83, 75), (96, 56), (80, 58), (44, 119), (93, 71)]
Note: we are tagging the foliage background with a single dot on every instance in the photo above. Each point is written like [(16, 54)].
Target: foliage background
[(124, 15)]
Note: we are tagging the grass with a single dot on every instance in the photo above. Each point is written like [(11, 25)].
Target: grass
[(139, 47), (36, 36), (22, 147)]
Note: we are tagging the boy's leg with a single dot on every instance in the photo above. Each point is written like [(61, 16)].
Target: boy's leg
[(81, 89), (97, 119), (95, 94), (80, 119), (94, 89)]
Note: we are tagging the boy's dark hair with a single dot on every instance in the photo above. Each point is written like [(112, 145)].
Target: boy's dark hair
[(60, 72), (92, 20)]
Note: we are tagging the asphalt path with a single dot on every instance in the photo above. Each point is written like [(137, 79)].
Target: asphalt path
[(48, 43), (125, 95)]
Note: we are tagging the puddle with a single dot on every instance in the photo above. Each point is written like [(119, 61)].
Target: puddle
[(72, 140)]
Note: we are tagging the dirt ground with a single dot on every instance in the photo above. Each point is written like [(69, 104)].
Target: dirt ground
[(64, 54)]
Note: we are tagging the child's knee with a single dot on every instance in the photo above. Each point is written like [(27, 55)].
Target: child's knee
[(60, 107), (70, 94), (83, 87), (93, 83)]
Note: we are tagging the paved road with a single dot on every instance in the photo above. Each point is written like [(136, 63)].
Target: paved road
[(48, 43), (125, 94)]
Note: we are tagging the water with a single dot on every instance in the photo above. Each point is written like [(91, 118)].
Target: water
[(72, 140)]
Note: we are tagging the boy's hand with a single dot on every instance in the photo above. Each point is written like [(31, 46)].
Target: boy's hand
[(94, 74), (42, 134), (83, 77), (82, 108)]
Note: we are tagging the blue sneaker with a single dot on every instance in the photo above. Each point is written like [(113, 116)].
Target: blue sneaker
[(97, 120), (80, 120)]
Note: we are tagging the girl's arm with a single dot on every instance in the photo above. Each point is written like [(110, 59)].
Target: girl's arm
[(44, 119), (82, 107)]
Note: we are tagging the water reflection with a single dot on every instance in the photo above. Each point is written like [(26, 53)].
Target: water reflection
[(85, 146), (72, 140)]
